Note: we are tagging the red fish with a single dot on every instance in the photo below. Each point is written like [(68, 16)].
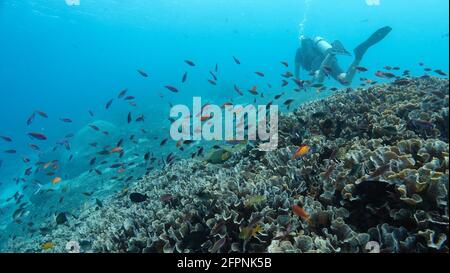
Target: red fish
[(236, 88), (56, 180), (300, 212), (143, 73), (141, 118), (122, 93), (30, 119), (361, 69), (42, 114), (108, 104), (5, 138), (287, 74), (278, 96), (253, 90), (189, 62), (302, 150), (34, 147), (28, 171), (129, 118), (37, 136), (117, 150), (226, 104), (171, 88), (300, 83), (179, 143), (116, 165), (206, 117), (379, 74), (388, 75), (440, 72), (94, 127), (213, 75)]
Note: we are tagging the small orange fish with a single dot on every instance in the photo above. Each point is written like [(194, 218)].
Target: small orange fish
[(206, 117), (56, 180), (179, 143), (117, 150), (226, 103), (47, 165), (253, 90), (300, 212), (302, 150)]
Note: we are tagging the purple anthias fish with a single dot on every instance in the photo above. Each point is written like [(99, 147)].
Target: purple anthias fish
[(64, 142), (38, 136)]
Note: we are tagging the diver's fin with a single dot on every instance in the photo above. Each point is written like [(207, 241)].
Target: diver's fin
[(376, 37), (339, 49)]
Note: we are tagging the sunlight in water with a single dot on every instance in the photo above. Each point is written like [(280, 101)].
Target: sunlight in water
[(302, 24), (73, 2), (373, 2)]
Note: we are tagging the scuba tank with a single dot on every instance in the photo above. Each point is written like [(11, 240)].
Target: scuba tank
[(323, 46)]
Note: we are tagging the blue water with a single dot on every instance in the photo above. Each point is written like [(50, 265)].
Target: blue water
[(66, 60)]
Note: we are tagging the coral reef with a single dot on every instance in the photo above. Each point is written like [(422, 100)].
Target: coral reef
[(377, 171)]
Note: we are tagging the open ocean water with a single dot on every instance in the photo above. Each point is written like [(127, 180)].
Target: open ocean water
[(72, 143)]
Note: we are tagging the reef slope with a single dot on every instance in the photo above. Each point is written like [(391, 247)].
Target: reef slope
[(377, 171)]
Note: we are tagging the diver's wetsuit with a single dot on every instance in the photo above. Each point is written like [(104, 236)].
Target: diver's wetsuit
[(322, 61), (311, 59)]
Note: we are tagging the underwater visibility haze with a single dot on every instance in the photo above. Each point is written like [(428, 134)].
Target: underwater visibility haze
[(88, 162)]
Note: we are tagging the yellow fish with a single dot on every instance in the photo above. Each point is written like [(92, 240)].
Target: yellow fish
[(248, 232), (302, 150), (56, 180), (254, 200), (48, 245)]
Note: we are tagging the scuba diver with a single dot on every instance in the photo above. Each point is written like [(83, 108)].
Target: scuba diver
[(319, 57)]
